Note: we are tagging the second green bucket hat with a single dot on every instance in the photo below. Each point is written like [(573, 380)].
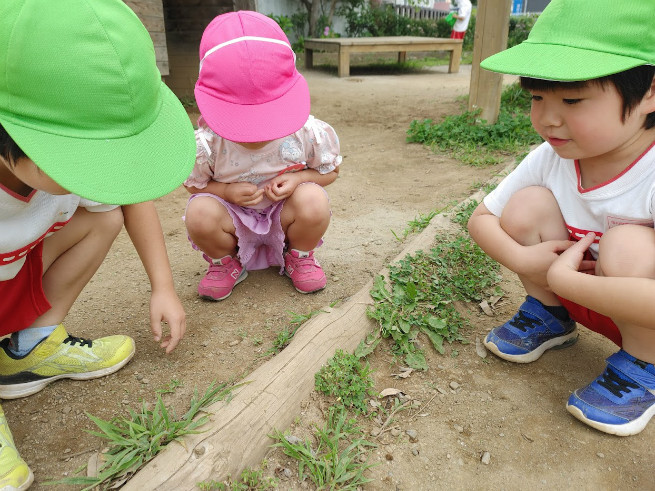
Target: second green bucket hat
[(81, 95), (581, 40)]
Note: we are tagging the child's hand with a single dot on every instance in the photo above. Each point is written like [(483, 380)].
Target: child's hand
[(573, 258), (281, 187), (243, 194), (165, 306), (535, 260)]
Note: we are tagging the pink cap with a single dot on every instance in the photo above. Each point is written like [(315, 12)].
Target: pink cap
[(248, 89)]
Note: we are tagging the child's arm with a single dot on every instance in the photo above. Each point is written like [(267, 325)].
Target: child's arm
[(283, 186), (532, 261), (143, 226), (239, 193), (626, 298)]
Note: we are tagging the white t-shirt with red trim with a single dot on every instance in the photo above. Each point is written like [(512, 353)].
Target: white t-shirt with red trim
[(628, 198), (27, 220)]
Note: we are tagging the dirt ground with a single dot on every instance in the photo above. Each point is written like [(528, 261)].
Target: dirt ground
[(469, 405)]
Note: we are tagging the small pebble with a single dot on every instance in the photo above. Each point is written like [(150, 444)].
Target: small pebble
[(413, 435), (486, 458)]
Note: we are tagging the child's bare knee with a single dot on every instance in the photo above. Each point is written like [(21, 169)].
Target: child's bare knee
[(310, 202), (531, 212), (110, 222), (627, 250)]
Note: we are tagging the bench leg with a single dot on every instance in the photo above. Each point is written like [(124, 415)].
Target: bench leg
[(402, 56), (455, 58), (309, 58), (344, 63)]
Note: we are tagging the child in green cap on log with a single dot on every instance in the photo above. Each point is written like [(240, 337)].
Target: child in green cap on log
[(575, 219), (86, 125)]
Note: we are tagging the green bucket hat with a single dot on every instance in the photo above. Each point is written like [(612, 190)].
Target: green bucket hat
[(81, 95), (582, 40)]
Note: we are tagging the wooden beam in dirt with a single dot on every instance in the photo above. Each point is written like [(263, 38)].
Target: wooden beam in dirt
[(237, 435), (491, 28)]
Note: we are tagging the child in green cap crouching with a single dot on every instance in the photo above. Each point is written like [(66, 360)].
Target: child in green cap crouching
[(575, 219), (86, 125)]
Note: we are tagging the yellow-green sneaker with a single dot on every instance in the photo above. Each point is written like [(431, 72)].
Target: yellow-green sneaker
[(14, 473), (60, 356)]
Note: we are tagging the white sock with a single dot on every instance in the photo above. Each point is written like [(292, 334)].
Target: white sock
[(22, 342)]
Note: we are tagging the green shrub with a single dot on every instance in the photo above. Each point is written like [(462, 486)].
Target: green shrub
[(519, 28)]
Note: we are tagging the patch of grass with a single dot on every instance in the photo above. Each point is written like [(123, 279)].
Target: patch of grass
[(134, 441), (473, 141), (421, 294), (345, 377), (285, 336), (170, 388), (250, 480), (418, 224), (464, 212), (335, 463)]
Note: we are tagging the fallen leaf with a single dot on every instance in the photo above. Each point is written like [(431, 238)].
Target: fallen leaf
[(390, 392), (486, 309), (494, 300), (480, 348), (404, 372)]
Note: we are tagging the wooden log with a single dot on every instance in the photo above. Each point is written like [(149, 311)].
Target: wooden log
[(237, 435)]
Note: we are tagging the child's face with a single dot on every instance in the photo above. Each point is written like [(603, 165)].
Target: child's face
[(27, 173), (586, 123)]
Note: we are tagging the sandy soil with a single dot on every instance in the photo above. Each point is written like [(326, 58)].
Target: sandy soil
[(515, 413)]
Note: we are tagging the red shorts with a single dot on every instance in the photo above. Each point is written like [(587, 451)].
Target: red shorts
[(593, 320), (457, 34), (22, 297)]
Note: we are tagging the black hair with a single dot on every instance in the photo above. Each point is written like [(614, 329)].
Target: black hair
[(632, 86), (9, 149)]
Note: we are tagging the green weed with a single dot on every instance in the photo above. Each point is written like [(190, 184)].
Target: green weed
[(464, 212), (134, 441), (473, 141), (285, 336), (250, 480), (421, 294), (418, 224), (336, 462), (346, 378)]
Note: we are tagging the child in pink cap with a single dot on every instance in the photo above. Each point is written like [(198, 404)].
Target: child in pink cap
[(262, 161)]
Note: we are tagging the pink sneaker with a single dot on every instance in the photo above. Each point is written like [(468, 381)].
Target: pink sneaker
[(305, 272), (221, 277)]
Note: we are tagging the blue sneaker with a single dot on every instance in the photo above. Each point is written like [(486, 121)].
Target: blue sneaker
[(621, 401), (533, 330)]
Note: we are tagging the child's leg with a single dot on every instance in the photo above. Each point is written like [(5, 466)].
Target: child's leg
[(629, 251), (305, 218), (621, 401), (210, 227), (70, 258), (212, 230), (532, 216)]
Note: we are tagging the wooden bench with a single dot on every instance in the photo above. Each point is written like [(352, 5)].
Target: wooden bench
[(399, 44)]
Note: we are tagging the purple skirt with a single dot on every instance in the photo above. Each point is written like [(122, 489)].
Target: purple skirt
[(260, 239)]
